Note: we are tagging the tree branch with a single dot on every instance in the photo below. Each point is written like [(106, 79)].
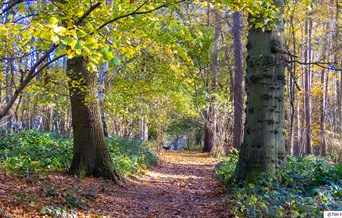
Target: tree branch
[(14, 3), (31, 73), (137, 12), (47, 64), (320, 64), (92, 8)]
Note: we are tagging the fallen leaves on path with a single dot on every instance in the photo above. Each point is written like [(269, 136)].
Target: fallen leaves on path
[(182, 185)]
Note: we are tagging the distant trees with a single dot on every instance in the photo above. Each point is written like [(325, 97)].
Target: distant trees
[(313, 81), (157, 68)]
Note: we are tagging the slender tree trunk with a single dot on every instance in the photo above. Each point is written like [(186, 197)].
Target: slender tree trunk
[(198, 133), (338, 63), (217, 147), (295, 125), (238, 90), (208, 133), (297, 128), (322, 113), (101, 82), (90, 154), (263, 147), (229, 65), (143, 130), (210, 122), (230, 74), (308, 109), (9, 92), (160, 138)]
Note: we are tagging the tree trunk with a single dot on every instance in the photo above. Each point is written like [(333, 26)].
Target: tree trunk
[(90, 155), (208, 133), (338, 63), (308, 144), (143, 130), (101, 82), (263, 147), (294, 123), (160, 138), (216, 147), (210, 114), (238, 91), (322, 117)]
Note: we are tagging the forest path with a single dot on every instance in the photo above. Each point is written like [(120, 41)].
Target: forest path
[(182, 185)]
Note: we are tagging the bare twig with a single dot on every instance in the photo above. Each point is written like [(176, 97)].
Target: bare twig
[(320, 64), (11, 5)]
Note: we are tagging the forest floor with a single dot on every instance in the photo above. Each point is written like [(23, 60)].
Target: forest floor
[(181, 185)]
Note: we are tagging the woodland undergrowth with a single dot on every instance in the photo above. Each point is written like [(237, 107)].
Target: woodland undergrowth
[(31, 151), (309, 186)]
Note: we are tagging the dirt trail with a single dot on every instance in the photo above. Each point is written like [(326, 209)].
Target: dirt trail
[(182, 185)]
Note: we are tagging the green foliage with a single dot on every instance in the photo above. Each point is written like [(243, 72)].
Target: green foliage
[(307, 188), (32, 151), (130, 156), (225, 169)]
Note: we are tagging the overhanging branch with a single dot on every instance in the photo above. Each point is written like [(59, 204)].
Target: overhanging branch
[(137, 12), (320, 64)]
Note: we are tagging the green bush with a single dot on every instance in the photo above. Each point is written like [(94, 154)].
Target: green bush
[(32, 151), (130, 156), (308, 187)]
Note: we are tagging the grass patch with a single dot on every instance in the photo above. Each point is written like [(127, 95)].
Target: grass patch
[(308, 187), (38, 152)]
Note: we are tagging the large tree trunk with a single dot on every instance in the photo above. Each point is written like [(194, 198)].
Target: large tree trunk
[(90, 155), (263, 147), (238, 91)]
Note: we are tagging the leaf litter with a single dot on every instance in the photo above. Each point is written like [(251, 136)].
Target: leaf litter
[(181, 185)]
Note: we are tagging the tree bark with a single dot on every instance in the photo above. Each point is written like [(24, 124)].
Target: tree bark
[(337, 60), (238, 90), (322, 117), (307, 102), (208, 133), (294, 123), (90, 154), (263, 147), (101, 82), (217, 147), (210, 122)]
